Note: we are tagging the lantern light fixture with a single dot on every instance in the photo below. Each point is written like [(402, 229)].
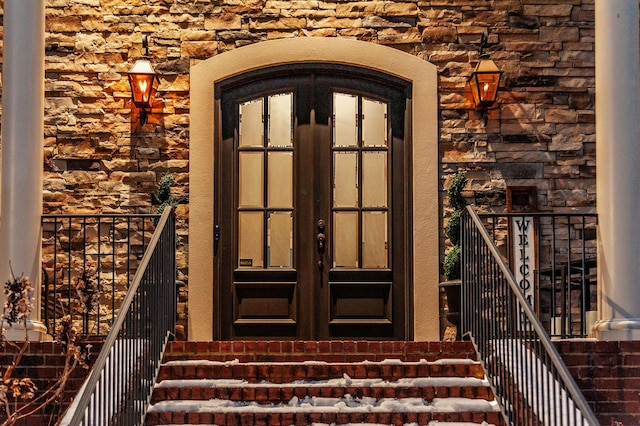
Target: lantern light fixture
[(484, 82), (144, 83)]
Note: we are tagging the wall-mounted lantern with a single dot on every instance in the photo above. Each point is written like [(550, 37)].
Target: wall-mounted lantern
[(144, 83), (484, 82)]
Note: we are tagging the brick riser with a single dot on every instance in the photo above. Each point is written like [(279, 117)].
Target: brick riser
[(303, 419), (277, 394), (277, 372), (328, 351), (287, 372)]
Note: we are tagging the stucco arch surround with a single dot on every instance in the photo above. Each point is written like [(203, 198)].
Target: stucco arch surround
[(424, 172)]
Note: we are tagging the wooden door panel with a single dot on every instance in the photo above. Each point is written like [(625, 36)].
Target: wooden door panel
[(265, 309), (361, 310), (357, 303)]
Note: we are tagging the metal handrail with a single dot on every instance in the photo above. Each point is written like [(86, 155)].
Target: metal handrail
[(529, 378), (103, 251), (118, 389), (562, 267)]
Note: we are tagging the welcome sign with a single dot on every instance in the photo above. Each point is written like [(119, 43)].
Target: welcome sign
[(524, 256), (523, 239)]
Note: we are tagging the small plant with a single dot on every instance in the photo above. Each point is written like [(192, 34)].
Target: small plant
[(457, 201), (163, 194), (88, 290), (451, 264)]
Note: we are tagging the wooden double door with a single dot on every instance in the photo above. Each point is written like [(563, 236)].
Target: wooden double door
[(312, 205)]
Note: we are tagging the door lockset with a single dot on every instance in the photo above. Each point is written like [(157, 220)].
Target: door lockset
[(321, 242)]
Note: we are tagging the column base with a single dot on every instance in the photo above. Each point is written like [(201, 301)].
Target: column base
[(618, 329), (35, 332)]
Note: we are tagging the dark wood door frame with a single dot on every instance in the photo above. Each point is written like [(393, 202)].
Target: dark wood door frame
[(319, 294)]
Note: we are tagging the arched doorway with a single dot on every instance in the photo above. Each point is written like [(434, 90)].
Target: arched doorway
[(313, 197), (254, 283)]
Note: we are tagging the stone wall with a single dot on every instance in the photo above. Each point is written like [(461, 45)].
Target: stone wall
[(97, 159)]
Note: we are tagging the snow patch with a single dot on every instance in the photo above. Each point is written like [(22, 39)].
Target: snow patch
[(190, 362), (389, 361), (343, 382), (346, 404)]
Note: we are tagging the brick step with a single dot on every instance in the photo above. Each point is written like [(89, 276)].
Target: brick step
[(269, 393), (328, 351), (317, 370), (304, 383)]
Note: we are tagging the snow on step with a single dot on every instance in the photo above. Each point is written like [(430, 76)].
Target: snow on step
[(348, 404), (343, 382), (289, 371)]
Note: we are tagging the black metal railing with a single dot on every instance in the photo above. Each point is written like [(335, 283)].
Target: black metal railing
[(560, 250), (119, 386), (529, 379), (99, 250)]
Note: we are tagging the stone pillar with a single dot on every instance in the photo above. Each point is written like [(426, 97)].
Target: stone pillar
[(618, 169), (22, 151)]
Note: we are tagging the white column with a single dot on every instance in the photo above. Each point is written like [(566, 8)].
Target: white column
[(618, 168), (22, 150)]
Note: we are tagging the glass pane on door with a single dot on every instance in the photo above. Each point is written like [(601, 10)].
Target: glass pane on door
[(280, 179), (345, 179), (280, 120), (374, 179), (251, 123), (280, 241), (345, 237), (250, 246), (345, 120), (374, 240), (374, 123), (251, 186)]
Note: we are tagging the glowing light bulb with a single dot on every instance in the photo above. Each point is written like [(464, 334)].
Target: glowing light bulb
[(142, 84), (485, 90)]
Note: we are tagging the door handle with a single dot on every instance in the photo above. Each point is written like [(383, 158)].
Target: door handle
[(321, 242)]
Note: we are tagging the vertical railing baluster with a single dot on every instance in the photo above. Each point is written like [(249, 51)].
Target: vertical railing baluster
[(522, 365), (554, 278), (567, 323)]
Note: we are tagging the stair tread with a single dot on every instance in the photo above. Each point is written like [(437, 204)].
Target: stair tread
[(289, 372), (326, 404)]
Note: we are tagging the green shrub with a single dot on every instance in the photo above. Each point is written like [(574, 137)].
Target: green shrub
[(457, 201), (163, 195), (453, 227), (452, 264)]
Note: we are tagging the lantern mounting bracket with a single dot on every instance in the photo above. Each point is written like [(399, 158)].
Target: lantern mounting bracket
[(484, 40), (145, 45)]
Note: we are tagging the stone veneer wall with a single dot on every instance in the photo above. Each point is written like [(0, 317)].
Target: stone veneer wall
[(543, 133)]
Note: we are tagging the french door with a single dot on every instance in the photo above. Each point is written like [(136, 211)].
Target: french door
[(311, 225)]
